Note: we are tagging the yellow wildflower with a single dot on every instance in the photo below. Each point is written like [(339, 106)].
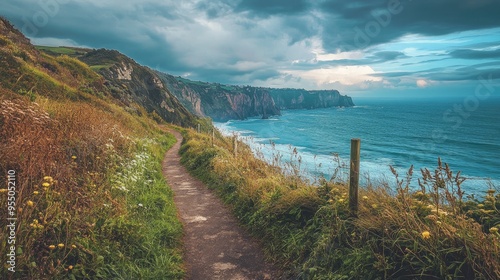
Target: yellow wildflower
[(493, 230), (46, 185), (73, 157), (47, 178), (426, 235), (70, 267), (365, 197), (60, 245), (29, 203), (73, 246), (52, 247), (341, 200), (35, 192), (374, 206)]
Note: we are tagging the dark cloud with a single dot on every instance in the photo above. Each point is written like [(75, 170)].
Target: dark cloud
[(265, 8), (474, 54), (242, 41), (466, 75), (489, 71), (234, 76), (384, 56), (360, 24), (215, 9)]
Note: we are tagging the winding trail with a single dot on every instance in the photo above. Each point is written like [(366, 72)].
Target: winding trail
[(215, 245)]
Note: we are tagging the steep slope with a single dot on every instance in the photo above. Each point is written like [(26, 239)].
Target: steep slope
[(76, 163), (26, 71), (112, 76), (225, 102), (130, 82)]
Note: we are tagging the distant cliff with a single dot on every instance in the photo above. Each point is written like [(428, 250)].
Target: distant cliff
[(221, 102), (304, 99), (225, 102)]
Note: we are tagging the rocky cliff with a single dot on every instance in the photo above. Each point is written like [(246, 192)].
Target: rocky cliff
[(59, 72), (221, 102), (304, 99), (133, 83), (224, 102)]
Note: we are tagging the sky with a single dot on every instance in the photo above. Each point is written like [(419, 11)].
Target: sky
[(362, 48)]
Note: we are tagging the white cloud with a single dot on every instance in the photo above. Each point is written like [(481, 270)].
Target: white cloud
[(55, 42), (345, 75), (321, 55), (421, 83)]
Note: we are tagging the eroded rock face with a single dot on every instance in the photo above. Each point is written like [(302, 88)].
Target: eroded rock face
[(303, 99), (123, 71), (132, 83), (223, 102)]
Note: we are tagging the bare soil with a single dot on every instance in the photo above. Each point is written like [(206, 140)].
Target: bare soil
[(216, 247)]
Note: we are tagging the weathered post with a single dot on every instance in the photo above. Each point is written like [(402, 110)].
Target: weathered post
[(213, 136), (354, 177), (199, 128), (235, 146)]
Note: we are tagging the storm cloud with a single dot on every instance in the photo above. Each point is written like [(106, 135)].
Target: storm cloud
[(309, 44)]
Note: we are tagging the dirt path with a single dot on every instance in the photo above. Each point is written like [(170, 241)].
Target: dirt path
[(215, 246)]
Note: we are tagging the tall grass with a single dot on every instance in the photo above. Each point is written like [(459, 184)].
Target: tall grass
[(91, 201), (433, 233)]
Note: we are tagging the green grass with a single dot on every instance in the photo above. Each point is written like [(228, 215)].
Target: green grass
[(431, 233), (91, 201), (99, 67), (144, 241), (60, 50)]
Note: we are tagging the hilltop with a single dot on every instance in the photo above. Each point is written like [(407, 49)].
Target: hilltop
[(111, 76)]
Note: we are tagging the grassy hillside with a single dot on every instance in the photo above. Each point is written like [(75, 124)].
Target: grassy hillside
[(82, 174), (430, 233)]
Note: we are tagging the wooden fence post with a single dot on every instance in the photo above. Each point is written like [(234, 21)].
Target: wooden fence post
[(235, 146), (213, 136), (199, 128), (354, 176)]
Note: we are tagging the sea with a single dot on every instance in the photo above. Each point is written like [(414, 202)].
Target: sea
[(463, 132)]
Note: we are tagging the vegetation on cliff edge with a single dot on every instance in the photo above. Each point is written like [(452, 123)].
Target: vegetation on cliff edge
[(431, 233), (90, 198)]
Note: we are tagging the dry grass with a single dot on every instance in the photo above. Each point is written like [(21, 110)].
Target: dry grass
[(433, 232), (65, 155)]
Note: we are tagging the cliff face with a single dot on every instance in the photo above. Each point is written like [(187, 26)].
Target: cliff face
[(132, 83), (223, 102), (58, 72), (303, 99)]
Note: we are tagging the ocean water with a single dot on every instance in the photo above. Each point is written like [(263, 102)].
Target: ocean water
[(397, 133)]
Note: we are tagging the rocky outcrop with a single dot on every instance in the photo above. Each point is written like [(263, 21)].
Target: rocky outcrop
[(132, 83)]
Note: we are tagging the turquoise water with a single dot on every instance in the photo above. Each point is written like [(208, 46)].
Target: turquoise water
[(400, 133)]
